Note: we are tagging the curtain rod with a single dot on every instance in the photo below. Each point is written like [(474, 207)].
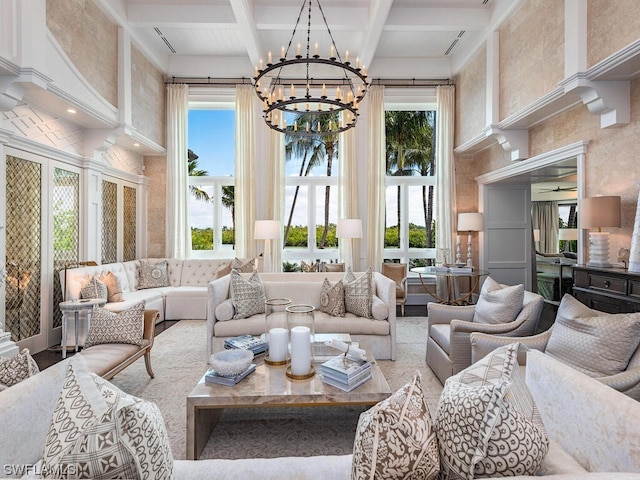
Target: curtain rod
[(387, 82)]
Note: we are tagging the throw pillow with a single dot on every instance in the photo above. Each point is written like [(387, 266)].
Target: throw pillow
[(94, 288), (332, 298), (17, 368), (126, 326), (598, 345), (358, 293), (498, 304), (225, 310), (487, 424), (244, 266), (222, 270), (247, 294), (308, 267), (114, 290), (153, 276), (396, 438)]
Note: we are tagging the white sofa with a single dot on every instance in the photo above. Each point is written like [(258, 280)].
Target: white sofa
[(377, 336), (184, 298), (592, 428)]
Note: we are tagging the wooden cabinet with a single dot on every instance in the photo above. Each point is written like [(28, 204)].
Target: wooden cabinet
[(612, 290)]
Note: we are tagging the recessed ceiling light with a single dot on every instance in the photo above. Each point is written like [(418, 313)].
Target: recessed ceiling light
[(71, 110)]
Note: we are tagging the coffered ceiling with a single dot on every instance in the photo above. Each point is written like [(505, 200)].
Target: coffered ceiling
[(395, 39)]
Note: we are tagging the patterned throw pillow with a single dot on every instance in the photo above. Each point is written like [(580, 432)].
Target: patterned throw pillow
[(17, 368), (594, 343), (126, 326), (153, 276), (332, 298), (396, 439), (487, 423), (358, 293), (247, 294), (308, 267), (498, 304), (114, 290), (94, 288), (248, 266)]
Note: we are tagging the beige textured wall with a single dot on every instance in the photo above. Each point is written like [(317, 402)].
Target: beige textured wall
[(156, 171), (471, 92), (612, 25), (90, 39), (148, 98), (531, 54)]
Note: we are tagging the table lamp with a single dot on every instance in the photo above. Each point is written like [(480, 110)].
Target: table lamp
[(568, 234), (469, 222), (349, 228), (596, 213), (267, 230)]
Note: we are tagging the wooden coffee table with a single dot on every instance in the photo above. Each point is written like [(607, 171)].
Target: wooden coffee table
[(269, 386)]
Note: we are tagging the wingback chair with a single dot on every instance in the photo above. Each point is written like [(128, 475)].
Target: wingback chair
[(449, 328), (398, 273)]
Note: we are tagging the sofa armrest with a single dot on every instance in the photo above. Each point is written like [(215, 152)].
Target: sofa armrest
[(627, 382), (386, 291), (150, 319), (483, 343), (217, 292)]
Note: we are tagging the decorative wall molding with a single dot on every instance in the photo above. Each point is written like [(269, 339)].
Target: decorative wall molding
[(611, 99)]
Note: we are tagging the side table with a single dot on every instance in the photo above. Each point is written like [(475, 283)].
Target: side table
[(76, 306)]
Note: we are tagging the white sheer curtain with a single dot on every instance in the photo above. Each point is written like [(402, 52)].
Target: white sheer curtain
[(275, 193), (178, 235), (376, 178), (445, 169), (544, 216), (244, 193), (348, 191)]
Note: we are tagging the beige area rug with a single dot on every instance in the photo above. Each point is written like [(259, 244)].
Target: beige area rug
[(178, 360)]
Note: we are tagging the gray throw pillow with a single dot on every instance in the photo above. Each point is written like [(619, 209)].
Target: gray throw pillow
[(153, 276), (94, 288), (358, 293), (247, 294), (332, 298), (126, 326), (498, 304)]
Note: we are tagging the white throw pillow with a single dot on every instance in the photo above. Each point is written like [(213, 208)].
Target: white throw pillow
[(225, 310), (498, 304)]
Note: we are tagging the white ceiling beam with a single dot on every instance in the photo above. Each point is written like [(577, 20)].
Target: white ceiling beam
[(188, 16), (243, 10), (377, 18)]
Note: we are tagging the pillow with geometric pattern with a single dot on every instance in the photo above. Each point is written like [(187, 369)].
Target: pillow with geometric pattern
[(126, 326), (498, 304), (244, 266), (17, 368), (94, 288), (153, 276), (247, 294), (358, 293)]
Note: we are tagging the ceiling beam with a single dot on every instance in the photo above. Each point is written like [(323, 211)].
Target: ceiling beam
[(377, 18), (243, 10)]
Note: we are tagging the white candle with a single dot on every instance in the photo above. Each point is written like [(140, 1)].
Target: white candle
[(300, 350), (278, 340)]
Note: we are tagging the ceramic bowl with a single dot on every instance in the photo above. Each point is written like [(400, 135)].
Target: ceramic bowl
[(228, 363)]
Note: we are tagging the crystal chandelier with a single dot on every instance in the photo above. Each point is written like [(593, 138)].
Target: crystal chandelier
[(305, 94)]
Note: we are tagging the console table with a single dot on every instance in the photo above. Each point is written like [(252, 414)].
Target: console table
[(611, 290)]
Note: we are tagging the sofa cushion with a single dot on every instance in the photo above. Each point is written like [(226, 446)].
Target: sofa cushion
[(225, 310), (593, 343), (114, 288), (126, 326), (153, 276), (498, 304), (487, 423), (247, 294), (358, 293), (332, 298), (396, 438), (94, 288), (17, 368)]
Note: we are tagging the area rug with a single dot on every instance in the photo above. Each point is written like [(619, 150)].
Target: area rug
[(179, 360)]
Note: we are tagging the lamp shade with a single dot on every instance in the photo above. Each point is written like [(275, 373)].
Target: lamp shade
[(266, 230), (536, 234), (598, 212), (568, 234), (469, 222), (349, 228)]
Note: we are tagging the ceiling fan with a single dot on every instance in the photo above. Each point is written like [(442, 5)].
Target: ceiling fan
[(560, 189)]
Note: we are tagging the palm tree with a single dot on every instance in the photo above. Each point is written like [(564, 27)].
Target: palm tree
[(229, 201), (194, 171)]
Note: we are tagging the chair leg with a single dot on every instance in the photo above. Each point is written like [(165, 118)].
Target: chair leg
[(147, 363), (402, 309)]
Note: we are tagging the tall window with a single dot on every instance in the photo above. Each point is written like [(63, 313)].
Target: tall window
[(211, 140), (410, 187)]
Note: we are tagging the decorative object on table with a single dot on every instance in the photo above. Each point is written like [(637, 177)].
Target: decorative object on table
[(469, 222), (276, 330), (599, 212), (443, 255), (346, 371), (267, 230), (228, 363), (623, 256), (301, 367), (212, 376), (351, 349), (634, 255), (348, 229), (301, 316), (246, 342)]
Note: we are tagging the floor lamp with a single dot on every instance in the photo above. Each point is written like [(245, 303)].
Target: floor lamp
[(469, 222), (267, 230), (348, 229), (599, 212)]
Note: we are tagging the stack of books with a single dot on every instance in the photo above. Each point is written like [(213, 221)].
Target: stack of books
[(247, 342), (213, 377), (345, 372)]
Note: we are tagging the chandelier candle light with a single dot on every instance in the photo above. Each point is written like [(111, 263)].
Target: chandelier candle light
[(303, 85)]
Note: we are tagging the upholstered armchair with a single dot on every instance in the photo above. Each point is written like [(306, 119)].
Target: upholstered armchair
[(582, 344), (449, 328), (398, 273), (333, 267)]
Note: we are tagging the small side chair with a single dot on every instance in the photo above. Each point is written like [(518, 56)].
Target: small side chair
[(398, 273)]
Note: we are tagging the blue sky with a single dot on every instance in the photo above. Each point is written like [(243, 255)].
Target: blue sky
[(211, 136)]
